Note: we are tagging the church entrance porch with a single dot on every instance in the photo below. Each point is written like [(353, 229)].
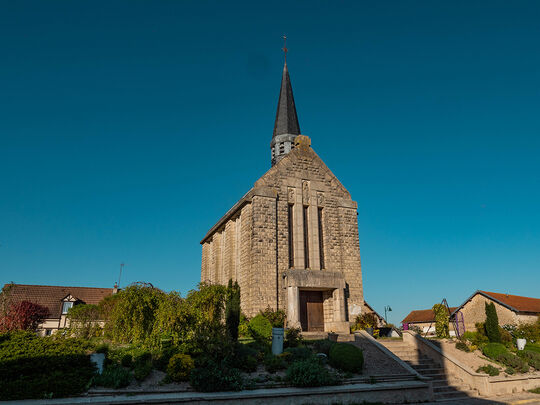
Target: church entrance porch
[(311, 311), (316, 300)]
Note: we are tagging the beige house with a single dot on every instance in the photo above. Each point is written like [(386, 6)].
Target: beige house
[(57, 299), (291, 241), (511, 309)]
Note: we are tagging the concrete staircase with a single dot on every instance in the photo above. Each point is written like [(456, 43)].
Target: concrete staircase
[(445, 387)]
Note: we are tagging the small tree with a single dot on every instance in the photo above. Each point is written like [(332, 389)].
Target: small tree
[(442, 320), (232, 309), (492, 323), (24, 315), (84, 320)]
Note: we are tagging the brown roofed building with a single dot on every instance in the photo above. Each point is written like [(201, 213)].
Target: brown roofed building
[(511, 309), (423, 319), (57, 299)]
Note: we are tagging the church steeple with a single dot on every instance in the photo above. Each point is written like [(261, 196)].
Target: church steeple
[(286, 127)]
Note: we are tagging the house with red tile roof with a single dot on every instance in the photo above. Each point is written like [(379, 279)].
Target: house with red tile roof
[(511, 309), (423, 319), (57, 299)]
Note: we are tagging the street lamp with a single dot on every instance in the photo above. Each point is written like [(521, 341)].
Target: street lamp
[(386, 309)]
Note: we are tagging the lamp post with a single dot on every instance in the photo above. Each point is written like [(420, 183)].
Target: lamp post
[(386, 309)]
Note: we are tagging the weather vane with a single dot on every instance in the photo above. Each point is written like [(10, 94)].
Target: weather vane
[(285, 47)]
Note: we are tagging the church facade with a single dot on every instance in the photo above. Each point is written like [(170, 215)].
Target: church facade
[(291, 241)]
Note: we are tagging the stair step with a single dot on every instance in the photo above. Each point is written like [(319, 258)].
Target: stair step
[(448, 395)]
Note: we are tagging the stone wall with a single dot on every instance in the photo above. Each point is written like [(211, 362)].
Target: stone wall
[(474, 311)]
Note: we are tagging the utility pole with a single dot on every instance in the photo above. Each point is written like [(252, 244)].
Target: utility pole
[(120, 276)]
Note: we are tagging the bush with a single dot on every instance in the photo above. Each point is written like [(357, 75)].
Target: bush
[(488, 369), (243, 330), (532, 358), (323, 346), (84, 320), (276, 318), (492, 323), (475, 338), (506, 337), (309, 373), (161, 359), (232, 309), (532, 348), (34, 367), (213, 377), (298, 353), (364, 321), (529, 331), (511, 360), (274, 363), (24, 315), (442, 328), (260, 328), (462, 346), (510, 371), (346, 357), (180, 366), (127, 360), (293, 337), (113, 376), (142, 370), (493, 350)]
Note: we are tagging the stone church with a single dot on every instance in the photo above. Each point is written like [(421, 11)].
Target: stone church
[(291, 241)]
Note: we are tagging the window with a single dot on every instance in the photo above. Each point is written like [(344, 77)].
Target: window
[(65, 307), (48, 332), (306, 238), (321, 238), (291, 244)]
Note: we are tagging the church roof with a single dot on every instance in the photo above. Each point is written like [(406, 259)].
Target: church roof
[(286, 118)]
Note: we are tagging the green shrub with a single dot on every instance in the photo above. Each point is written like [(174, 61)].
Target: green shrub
[(511, 360), (364, 321), (142, 370), (462, 346), (260, 328), (442, 328), (532, 348), (293, 337), (180, 366), (323, 346), (243, 330), (161, 359), (274, 363), (309, 373), (532, 358), (299, 353), (103, 348), (488, 369), (476, 338), (510, 371), (232, 309), (127, 360), (346, 357), (84, 320), (276, 318), (214, 377), (492, 350), (529, 331), (113, 376), (492, 323), (34, 367)]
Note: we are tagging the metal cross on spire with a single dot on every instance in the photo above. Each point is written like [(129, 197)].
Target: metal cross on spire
[(285, 50)]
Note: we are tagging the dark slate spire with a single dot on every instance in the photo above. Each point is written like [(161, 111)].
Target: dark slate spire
[(286, 118)]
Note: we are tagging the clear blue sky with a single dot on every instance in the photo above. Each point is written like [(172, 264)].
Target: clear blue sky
[(116, 122)]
